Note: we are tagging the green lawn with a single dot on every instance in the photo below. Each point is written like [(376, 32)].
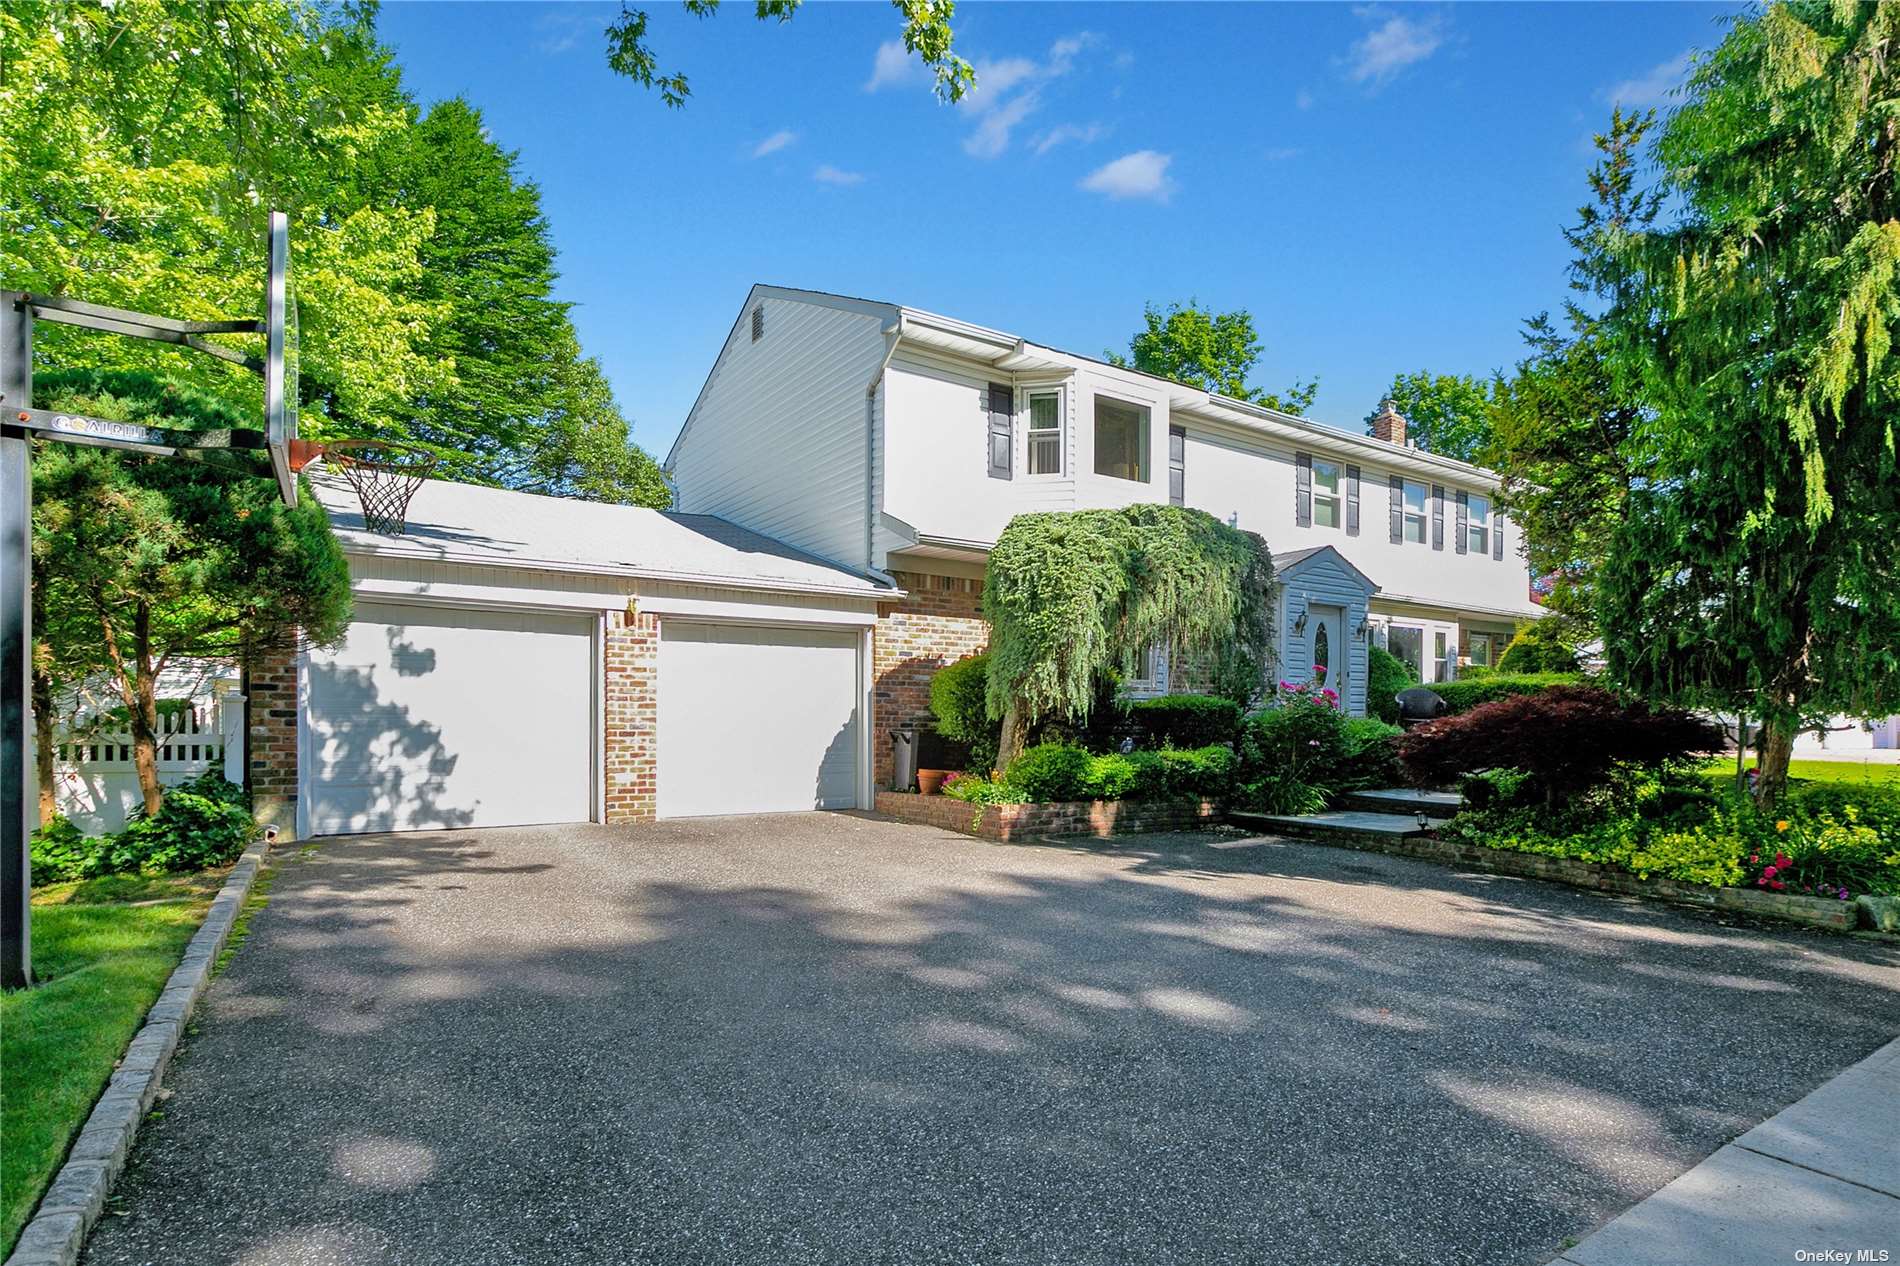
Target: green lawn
[(102, 950), (1818, 770)]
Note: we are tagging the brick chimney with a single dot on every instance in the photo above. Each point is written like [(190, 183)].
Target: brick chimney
[(1389, 424)]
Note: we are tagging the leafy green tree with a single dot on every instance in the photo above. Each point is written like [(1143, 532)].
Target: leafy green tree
[(1216, 352), (927, 35), (1447, 414), (170, 559), (1073, 595), (1563, 425), (1755, 566), (525, 409)]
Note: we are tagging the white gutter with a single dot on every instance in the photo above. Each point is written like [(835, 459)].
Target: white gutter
[(761, 584), (892, 333)]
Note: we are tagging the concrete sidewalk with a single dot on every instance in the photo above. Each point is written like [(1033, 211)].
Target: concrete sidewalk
[(1817, 1182)]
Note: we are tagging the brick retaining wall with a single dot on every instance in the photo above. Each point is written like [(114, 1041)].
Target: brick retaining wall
[(1100, 818)]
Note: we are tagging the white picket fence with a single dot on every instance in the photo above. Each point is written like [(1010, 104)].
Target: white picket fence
[(96, 784)]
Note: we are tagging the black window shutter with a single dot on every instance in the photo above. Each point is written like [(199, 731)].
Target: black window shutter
[(1497, 536), (1002, 429), (1464, 519), (1302, 490), (1177, 465), (1352, 501), (1398, 509), (1438, 516)]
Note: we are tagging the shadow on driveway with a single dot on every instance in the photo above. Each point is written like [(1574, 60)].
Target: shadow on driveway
[(833, 1038)]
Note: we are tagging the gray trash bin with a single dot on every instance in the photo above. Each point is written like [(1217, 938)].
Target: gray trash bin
[(904, 758)]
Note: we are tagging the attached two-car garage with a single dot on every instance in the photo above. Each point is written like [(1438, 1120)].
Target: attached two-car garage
[(492, 678)]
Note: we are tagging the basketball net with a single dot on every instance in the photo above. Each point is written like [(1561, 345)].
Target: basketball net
[(385, 476)]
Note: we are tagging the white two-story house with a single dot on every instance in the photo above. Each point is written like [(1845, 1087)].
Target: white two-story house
[(899, 443)]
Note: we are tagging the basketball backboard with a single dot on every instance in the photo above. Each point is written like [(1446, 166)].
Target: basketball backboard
[(280, 363)]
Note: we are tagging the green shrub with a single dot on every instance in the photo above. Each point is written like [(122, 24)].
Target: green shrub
[(1292, 756), (1186, 721), (191, 831), (1052, 771), (1468, 692), (60, 852), (1539, 647), (1372, 756), (959, 698), (1386, 675), (202, 823), (1475, 672), (1198, 773), (982, 789)]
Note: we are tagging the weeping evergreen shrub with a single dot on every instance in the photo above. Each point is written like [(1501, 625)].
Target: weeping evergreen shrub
[(1071, 595)]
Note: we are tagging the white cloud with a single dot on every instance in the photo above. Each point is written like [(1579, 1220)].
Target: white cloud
[(559, 31), (1009, 90), (1387, 49), (774, 143), (1280, 155), (1067, 133), (826, 174), (991, 137), (1142, 174), (1653, 88), (893, 67), (1303, 100)]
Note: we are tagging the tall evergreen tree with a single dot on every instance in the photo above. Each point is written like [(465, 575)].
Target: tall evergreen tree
[(1756, 566), (1563, 425)]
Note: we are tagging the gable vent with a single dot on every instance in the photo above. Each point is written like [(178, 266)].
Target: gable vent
[(758, 323)]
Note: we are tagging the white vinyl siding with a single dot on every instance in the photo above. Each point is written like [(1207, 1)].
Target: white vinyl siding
[(779, 440)]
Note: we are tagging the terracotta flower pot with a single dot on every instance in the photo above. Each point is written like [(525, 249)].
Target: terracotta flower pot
[(930, 781)]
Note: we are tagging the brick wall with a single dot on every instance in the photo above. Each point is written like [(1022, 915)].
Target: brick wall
[(937, 623), (271, 744), (632, 715), (1100, 818)]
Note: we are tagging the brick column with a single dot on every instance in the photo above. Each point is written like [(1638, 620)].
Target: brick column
[(632, 707), (271, 739), (939, 622)]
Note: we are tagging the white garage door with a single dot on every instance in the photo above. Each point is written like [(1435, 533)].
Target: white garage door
[(757, 720), (434, 717)]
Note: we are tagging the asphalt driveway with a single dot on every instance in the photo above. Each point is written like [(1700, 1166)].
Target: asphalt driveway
[(829, 1038)]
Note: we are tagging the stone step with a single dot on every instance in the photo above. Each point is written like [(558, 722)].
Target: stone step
[(1346, 824), (1437, 804)]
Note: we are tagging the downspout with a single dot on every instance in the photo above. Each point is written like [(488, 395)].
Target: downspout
[(892, 333)]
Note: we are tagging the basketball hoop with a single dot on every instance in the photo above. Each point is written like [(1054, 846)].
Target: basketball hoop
[(384, 475)]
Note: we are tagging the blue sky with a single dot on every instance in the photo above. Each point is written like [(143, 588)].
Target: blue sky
[(1382, 186)]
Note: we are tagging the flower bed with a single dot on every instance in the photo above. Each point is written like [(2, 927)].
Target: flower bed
[(1100, 818)]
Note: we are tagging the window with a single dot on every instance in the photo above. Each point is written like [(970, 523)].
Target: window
[(1326, 494), (1478, 524), (1177, 465), (1045, 433), (1145, 675), (1408, 643), (1121, 440), (1478, 648), (1414, 512)]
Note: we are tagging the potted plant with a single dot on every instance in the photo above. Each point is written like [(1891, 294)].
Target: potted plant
[(930, 781)]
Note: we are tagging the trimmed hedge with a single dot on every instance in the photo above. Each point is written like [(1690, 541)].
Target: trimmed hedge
[(1386, 675), (1468, 692), (1186, 720), (1065, 771), (1539, 647)]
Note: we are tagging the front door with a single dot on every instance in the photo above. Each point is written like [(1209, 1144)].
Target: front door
[(1329, 648)]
